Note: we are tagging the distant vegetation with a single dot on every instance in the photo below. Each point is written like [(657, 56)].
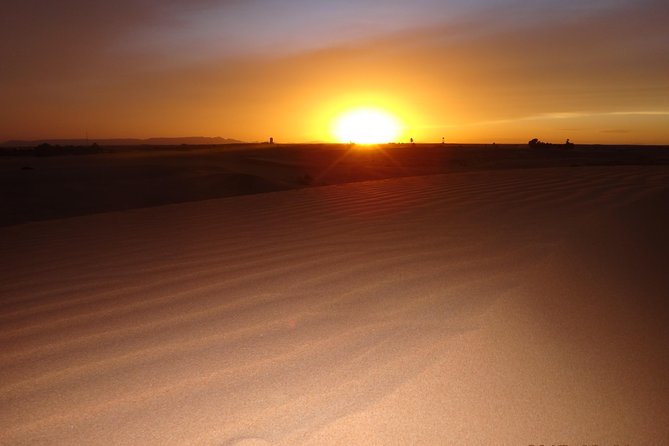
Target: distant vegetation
[(116, 142), (537, 144)]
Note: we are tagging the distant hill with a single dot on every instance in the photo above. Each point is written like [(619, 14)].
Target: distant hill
[(190, 140)]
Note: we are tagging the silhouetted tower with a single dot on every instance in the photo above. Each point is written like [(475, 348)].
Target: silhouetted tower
[(271, 140)]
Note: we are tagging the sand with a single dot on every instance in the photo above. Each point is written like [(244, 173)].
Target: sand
[(520, 306), (36, 188)]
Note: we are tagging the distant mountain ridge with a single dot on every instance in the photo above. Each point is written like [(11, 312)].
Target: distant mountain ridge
[(190, 140)]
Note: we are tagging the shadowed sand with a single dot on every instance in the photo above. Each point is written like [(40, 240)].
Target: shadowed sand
[(493, 307), (37, 188)]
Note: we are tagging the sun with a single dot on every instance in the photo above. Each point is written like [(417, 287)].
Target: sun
[(366, 126)]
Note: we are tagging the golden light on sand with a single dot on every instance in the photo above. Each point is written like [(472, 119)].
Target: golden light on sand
[(366, 126)]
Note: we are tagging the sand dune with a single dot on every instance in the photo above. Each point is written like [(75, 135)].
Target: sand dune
[(37, 188), (506, 307)]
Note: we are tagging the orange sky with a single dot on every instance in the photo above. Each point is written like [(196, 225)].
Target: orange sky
[(469, 71)]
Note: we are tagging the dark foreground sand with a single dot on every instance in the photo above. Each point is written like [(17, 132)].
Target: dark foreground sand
[(509, 306), (36, 188)]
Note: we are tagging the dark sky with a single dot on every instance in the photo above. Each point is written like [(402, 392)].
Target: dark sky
[(481, 70)]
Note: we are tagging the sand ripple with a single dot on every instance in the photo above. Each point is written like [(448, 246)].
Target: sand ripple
[(295, 316)]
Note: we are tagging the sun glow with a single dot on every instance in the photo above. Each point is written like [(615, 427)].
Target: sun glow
[(366, 126)]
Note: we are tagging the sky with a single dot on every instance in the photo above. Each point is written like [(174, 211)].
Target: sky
[(594, 71)]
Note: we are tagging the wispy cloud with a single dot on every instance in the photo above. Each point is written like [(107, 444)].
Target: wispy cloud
[(638, 113)]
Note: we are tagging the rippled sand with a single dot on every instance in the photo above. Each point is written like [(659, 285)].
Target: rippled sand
[(504, 307)]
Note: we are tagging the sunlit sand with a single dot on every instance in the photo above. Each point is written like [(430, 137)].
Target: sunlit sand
[(508, 306)]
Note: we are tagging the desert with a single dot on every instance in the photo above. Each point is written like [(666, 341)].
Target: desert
[(335, 294), (322, 223)]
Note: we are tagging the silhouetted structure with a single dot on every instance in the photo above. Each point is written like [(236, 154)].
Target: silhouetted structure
[(568, 144), (271, 140)]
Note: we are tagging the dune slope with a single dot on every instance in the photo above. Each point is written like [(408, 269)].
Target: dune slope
[(507, 307)]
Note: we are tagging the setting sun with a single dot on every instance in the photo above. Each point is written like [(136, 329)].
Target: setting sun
[(366, 126)]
